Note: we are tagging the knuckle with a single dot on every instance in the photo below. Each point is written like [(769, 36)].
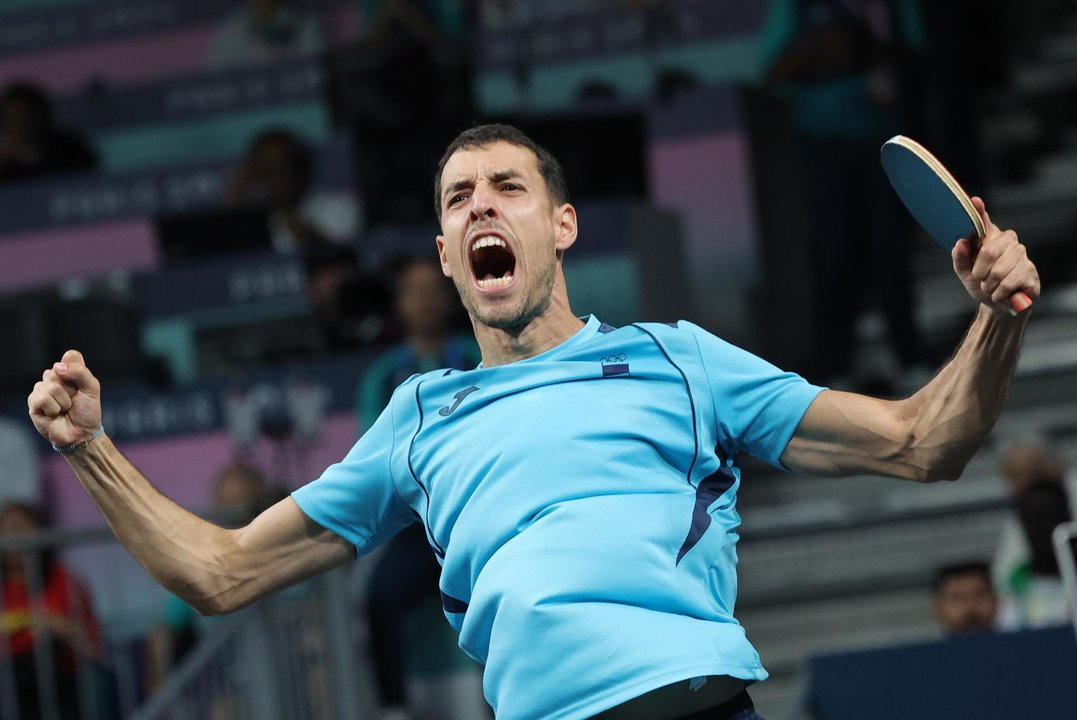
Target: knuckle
[(989, 253)]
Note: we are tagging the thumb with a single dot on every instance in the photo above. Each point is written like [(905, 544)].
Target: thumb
[(981, 208), (73, 357), (72, 370)]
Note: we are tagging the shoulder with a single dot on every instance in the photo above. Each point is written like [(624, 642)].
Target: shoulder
[(683, 337)]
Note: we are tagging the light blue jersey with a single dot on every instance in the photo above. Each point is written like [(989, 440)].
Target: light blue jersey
[(583, 505)]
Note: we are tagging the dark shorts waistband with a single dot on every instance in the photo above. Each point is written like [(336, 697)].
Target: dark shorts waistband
[(738, 707)]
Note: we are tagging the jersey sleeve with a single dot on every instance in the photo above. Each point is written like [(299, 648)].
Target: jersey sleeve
[(357, 497), (757, 406)]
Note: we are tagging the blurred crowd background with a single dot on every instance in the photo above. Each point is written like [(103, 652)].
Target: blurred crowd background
[(227, 207)]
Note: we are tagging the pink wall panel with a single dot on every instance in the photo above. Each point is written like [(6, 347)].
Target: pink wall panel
[(129, 60), (40, 258)]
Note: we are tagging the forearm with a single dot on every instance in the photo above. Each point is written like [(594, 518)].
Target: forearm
[(179, 549), (929, 436), (951, 416)]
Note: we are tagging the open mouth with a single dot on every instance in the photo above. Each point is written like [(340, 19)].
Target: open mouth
[(492, 263)]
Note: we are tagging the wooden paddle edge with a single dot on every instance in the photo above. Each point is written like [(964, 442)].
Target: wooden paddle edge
[(948, 179)]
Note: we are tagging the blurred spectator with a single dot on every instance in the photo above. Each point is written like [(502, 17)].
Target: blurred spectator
[(965, 599), (31, 144), (240, 492), (403, 87), (1027, 576), (406, 573), (40, 596), (19, 459), (848, 67), (426, 307), (265, 31), (1034, 595), (277, 173), (349, 305), (427, 21)]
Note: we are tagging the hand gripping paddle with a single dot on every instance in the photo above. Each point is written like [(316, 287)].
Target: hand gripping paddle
[(936, 199)]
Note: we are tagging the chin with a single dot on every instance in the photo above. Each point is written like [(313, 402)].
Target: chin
[(510, 318)]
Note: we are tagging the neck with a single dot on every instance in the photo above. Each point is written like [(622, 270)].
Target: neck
[(555, 325)]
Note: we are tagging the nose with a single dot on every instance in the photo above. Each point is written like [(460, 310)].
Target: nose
[(482, 204)]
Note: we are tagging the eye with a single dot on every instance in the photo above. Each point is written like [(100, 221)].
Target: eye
[(459, 197), (510, 186)]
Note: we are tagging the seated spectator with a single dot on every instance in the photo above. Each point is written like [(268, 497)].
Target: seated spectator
[(31, 145), (425, 308), (265, 31), (240, 492), (349, 306), (43, 600), (965, 600), (1025, 568), (406, 573), (1035, 596), (277, 173)]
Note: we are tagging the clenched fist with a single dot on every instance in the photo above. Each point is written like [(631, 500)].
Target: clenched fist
[(998, 269), (65, 404)]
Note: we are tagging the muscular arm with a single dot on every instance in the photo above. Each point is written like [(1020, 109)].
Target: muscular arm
[(933, 434), (214, 569), (929, 436)]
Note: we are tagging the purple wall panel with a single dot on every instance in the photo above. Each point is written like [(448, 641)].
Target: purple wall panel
[(706, 179)]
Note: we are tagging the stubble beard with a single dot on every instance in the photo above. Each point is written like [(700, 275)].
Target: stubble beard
[(534, 302)]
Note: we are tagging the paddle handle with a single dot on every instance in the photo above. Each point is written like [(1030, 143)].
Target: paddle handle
[(1019, 302)]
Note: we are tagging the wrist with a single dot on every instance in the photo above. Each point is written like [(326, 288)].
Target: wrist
[(73, 447), (1003, 317)]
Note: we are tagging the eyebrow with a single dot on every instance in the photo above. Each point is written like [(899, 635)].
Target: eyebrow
[(499, 176)]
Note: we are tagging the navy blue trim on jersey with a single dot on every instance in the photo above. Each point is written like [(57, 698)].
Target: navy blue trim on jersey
[(710, 489), (606, 328), (687, 390), (453, 605), (438, 550)]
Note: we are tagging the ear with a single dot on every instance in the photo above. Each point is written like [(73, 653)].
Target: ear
[(445, 269), (565, 227)]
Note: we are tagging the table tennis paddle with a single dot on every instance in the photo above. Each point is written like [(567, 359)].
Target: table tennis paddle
[(936, 199)]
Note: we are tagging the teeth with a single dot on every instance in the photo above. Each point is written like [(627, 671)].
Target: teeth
[(487, 241), (495, 282)]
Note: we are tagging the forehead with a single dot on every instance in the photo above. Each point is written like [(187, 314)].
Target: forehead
[(484, 160)]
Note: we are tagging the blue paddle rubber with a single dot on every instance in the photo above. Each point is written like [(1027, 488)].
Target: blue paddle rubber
[(935, 199), (930, 193)]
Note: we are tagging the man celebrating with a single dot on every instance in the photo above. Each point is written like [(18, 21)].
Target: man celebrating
[(579, 487)]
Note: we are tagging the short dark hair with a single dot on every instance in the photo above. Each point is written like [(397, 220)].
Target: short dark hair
[(483, 135), (947, 573)]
